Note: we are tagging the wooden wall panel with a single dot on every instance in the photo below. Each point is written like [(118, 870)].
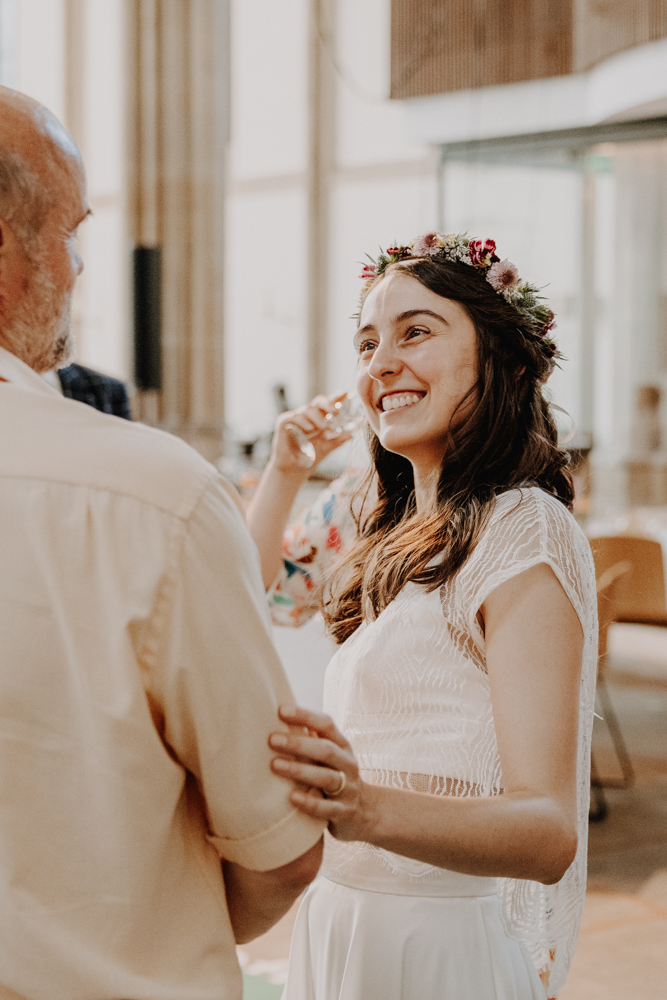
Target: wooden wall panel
[(603, 28), (444, 45)]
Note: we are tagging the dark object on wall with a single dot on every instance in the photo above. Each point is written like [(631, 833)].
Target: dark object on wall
[(101, 391), (148, 317)]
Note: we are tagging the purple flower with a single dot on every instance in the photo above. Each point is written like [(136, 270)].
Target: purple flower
[(503, 275)]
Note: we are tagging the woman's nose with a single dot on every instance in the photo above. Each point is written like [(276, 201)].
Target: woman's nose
[(385, 361)]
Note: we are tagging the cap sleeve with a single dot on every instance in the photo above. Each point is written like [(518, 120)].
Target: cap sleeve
[(526, 528)]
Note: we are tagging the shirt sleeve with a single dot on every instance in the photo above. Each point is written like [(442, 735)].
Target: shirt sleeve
[(311, 545), (219, 684)]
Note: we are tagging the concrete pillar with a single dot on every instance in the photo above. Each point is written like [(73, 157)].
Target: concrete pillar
[(321, 157), (178, 54)]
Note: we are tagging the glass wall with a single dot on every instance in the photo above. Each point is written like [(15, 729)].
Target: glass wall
[(588, 225)]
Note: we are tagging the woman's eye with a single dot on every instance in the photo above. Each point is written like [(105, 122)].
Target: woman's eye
[(415, 331), (366, 345)]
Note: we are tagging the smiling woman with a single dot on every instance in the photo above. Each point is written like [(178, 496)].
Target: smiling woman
[(407, 350), (452, 769)]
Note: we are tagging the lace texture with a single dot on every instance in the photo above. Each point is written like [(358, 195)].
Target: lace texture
[(411, 693)]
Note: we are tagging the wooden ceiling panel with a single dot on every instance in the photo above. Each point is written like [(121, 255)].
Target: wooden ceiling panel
[(443, 45)]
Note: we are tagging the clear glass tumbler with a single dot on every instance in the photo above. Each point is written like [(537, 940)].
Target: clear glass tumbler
[(345, 418)]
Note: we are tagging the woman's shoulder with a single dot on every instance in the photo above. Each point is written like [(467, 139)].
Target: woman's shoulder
[(526, 505), (526, 527), (528, 519)]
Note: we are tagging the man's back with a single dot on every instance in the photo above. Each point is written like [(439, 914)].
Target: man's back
[(138, 680)]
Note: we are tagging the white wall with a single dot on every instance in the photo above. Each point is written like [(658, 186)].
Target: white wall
[(383, 189), (105, 326), (33, 54), (534, 214)]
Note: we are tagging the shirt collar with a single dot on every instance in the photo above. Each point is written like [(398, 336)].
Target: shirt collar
[(14, 370)]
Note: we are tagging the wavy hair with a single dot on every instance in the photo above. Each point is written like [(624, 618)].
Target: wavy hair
[(507, 439)]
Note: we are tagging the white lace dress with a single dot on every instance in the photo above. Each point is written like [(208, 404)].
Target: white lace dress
[(411, 693)]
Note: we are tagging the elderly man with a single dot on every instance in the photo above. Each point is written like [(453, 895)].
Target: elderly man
[(141, 829)]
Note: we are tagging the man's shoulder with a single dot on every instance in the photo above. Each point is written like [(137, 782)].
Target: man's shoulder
[(60, 440)]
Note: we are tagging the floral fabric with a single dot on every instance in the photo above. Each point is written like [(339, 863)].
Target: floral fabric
[(310, 547)]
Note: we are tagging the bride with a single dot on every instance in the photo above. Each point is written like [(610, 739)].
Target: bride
[(452, 767)]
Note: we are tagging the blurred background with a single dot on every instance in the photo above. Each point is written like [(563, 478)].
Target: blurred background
[(244, 155)]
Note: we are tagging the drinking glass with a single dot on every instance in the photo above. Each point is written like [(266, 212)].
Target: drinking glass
[(345, 418)]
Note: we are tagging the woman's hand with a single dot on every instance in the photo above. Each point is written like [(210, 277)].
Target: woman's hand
[(318, 759), (312, 420)]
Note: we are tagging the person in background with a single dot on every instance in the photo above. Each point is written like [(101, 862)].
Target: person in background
[(105, 393), (296, 559), (453, 766), (102, 392), (142, 832)]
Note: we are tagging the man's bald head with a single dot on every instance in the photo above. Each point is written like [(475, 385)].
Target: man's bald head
[(37, 158), (42, 202)]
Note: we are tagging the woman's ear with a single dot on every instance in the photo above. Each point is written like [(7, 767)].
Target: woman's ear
[(520, 371)]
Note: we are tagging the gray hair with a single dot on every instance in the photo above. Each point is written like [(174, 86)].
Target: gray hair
[(24, 198)]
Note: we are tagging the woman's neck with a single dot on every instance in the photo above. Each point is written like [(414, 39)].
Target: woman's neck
[(426, 487)]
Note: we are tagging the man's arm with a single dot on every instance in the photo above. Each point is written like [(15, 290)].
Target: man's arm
[(257, 900), (220, 681)]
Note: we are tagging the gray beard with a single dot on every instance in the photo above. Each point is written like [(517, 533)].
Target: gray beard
[(39, 331)]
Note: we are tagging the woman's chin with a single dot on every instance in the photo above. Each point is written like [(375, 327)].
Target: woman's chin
[(398, 444)]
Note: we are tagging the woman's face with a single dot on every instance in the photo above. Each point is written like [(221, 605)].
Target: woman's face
[(417, 361)]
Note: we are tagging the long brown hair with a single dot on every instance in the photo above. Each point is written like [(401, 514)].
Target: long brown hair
[(508, 439)]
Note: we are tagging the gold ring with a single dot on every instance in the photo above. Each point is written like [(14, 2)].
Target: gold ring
[(343, 782)]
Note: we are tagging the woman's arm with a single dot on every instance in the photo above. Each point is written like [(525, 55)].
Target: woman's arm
[(534, 645), (283, 477)]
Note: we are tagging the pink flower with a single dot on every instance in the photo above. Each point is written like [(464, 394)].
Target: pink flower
[(482, 253), (334, 540), (427, 245), (369, 272), (503, 275)]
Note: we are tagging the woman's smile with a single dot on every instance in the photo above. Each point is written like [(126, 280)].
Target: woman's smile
[(417, 367), (399, 399)]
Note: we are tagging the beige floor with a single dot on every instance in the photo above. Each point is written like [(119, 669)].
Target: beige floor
[(622, 951)]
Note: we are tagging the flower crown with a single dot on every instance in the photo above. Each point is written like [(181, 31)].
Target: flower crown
[(502, 275)]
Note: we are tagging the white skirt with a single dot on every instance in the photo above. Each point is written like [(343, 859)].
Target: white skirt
[(353, 943)]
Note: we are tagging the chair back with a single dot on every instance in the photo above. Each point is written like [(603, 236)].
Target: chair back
[(639, 593)]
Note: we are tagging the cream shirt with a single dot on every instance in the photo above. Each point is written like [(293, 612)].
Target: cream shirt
[(138, 687)]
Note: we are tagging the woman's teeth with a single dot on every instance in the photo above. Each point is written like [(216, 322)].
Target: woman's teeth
[(394, 402)]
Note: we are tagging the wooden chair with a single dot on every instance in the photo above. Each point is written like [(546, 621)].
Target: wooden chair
[(606, 585), (631, 588), (639, 595)]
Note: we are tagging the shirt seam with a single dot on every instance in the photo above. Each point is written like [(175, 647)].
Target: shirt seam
[(183, 511)]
